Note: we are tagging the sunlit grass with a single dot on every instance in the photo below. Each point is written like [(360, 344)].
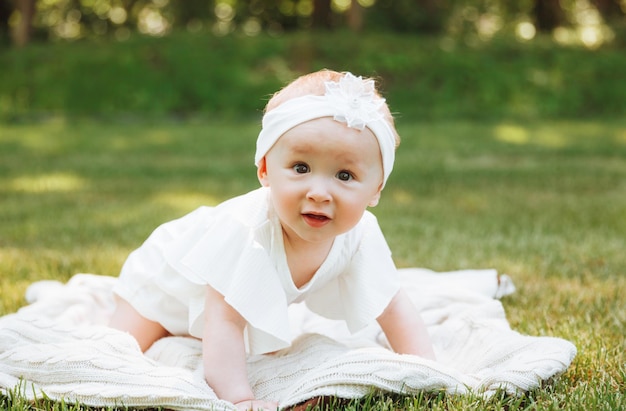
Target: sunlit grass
[(544, 202)]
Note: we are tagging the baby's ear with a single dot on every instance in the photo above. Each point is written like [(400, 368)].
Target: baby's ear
[(261, 173), (374, 201)]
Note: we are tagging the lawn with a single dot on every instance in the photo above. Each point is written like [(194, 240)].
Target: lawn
[(543, 201)]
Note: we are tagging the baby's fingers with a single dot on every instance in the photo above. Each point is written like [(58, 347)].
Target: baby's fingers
[(257, 405)]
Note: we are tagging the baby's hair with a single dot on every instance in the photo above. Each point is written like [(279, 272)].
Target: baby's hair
[(313, 84)]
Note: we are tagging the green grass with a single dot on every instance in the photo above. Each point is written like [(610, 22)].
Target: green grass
[(199, 74), (544, 202)]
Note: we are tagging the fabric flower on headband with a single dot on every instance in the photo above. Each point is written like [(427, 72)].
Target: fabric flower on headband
[(354, 101)]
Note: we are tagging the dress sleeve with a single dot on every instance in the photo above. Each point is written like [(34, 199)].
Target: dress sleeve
[(360, 293), (233, 258), (224, 247)]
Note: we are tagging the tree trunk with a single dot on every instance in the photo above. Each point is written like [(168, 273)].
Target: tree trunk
[(355, 16), (548, 15), (609, 9), (433, 15), (23, 30), (5, 13), (321, 14)]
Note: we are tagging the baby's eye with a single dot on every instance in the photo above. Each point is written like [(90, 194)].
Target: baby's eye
[(301, 168), (344, 176)]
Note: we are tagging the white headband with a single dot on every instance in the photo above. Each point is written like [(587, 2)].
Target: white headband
[(352, 100)]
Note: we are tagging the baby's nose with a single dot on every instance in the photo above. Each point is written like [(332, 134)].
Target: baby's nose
[(319, 190)]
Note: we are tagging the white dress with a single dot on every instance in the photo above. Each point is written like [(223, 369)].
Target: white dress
[(237, 248)]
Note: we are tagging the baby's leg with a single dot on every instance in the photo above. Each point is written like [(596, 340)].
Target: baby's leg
[(126, 318)]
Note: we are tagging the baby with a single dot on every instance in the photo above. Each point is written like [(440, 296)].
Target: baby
[(227, 274)]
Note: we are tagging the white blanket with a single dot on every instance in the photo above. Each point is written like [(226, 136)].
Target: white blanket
[(58, 346)]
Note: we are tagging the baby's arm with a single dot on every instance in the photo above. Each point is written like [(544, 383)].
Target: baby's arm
[(224, 354), (404, 328)]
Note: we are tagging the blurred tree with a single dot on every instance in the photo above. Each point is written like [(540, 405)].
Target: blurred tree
[(420, 16), (322, 14), (6, 9), (611, 10), (355, 16), (190, 12), (22, 30), (548, 15), (433, 15), (73, 19)]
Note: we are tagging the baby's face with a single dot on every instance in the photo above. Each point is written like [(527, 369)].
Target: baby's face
[(323, 176)]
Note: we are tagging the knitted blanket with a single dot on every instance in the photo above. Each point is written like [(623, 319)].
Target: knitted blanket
[(58, 346)]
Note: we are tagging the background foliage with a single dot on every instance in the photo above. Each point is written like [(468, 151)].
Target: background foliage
[(591, 22), (202, 74), (436, 59)]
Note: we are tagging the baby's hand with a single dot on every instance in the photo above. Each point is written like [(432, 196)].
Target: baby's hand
[(256, 405)]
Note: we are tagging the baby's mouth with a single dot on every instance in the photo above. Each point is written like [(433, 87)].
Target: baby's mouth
[(319, 217), (315, 220)]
